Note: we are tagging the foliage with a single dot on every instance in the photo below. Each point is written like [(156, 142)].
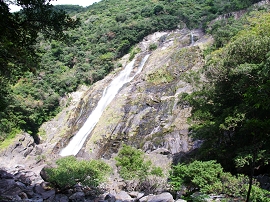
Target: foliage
[(132, 165), (208, 177), (108, 30), (230, 112), (162, 75), (152, 46), (28, 104), (70, 171), (259, 195), (133, 52), (197, 175), (20, 30)]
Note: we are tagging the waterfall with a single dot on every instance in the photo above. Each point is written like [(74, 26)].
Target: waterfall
[(109, 93), (191, 38)]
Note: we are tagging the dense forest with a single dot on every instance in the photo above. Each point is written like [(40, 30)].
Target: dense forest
[(230, 111), (108, 30)]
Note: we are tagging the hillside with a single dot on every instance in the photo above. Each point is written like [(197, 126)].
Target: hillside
[(109, 29), (196, 93)]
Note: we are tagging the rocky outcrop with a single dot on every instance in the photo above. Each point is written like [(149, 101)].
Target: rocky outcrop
[(23, 152), (21, 185), (146, 112)]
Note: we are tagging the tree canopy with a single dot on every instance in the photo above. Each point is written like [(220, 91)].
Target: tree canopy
[(19, 54), (231, 111), (19, 32)]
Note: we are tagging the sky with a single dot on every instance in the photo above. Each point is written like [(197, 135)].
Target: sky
[(76, 2)]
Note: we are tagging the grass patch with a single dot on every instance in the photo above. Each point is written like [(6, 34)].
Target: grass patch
[(9, 139), (161, 76)]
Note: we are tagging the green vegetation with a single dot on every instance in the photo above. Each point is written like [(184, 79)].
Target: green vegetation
[(162, 75), (35, 74), (231, 111), (153, 46), (208, 177), (25, 99), (139, 172), (132, 164), (70, 171)]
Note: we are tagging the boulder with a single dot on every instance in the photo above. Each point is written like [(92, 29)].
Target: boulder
[(123, 196), (164, 197), (136, 195), (44, 193), (5, 175), (43, 173), (110, 198), (60, 198), (78, 196)]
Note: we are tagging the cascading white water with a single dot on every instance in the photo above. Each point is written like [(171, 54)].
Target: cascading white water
[(192, 38), (109, 93)]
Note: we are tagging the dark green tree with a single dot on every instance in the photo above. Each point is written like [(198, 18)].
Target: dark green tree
[(20, 30), (231, 112)]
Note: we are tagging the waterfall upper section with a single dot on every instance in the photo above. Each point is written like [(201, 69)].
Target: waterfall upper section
[(109, 93)]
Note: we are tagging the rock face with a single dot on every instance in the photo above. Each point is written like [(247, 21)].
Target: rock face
[(19, 184), (146, 112), (23, 152)]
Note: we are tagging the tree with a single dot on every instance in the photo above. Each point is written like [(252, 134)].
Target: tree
[(231, 112), (20, 30)]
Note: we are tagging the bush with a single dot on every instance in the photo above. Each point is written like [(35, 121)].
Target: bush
[(140, 174), (259, 195), (208, 178), (198, 175), (70, 171), (132, 165), (152, 46)]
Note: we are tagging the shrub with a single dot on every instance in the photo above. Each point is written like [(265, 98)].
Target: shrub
[(208, 178), (132, 165), (198, 175), (259, 195), (133, 52), (142, 175), (152, 46), (70, 171)]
